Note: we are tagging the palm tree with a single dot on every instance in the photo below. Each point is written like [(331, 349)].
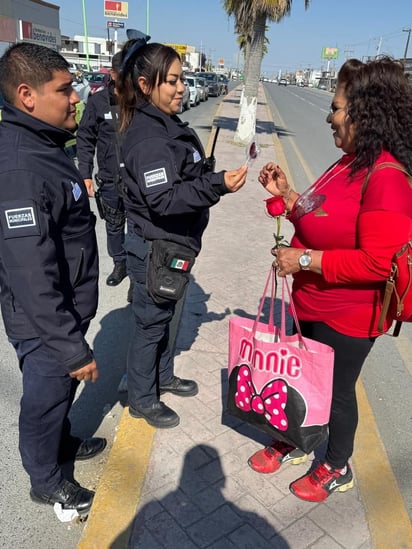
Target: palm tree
[(250, 22)]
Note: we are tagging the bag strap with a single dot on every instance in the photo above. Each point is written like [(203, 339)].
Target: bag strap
[(272, 281), (390, 283), (377, 167)]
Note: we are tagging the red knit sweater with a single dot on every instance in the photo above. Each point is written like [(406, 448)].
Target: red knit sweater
[(359, 236)]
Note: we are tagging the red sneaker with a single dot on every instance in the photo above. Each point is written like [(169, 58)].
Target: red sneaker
[(271, 458), (318, 484)]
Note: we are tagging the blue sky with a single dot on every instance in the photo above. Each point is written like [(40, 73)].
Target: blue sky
[(357, 27)]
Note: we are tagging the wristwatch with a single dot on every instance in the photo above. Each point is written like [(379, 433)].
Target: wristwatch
[(305, 260)]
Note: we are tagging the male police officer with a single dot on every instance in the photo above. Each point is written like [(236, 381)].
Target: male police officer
[(48, 266), (97, 132)]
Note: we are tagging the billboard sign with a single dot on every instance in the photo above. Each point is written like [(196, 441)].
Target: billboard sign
[(38, 34), (118, 10), (180, 48), (330, 53), (115, 25)]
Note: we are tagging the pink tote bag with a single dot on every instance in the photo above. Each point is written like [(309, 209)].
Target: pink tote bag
[(281, 384)]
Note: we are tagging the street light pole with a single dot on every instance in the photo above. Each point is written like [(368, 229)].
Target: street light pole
[(408, 30), (86, 39), (147, 16)]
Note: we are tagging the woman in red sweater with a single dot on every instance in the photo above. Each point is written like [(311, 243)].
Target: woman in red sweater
[(340, 255)]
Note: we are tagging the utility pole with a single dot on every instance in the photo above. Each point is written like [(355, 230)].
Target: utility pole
[(378, 48), (86, 39), (408, 30), (147, 16)]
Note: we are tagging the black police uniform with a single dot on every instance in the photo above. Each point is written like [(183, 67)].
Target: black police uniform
[(168, 197), (97, 133), (48, 277)]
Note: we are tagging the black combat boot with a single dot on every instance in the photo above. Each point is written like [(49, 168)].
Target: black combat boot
[(118, 273)]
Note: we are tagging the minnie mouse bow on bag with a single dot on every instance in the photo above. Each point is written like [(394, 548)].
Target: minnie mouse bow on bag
[(278, 383)]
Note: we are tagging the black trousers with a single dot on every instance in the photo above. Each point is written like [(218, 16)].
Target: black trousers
[(350, 355), (115, 233), (44, 426), (150, 356)]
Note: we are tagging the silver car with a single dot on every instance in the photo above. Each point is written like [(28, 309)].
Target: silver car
[(203, 87)]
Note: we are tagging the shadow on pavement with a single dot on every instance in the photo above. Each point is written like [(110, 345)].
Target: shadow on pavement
[(110, 349), (197, 514)]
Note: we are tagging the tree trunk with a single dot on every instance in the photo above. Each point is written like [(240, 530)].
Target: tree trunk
[(246, 127)]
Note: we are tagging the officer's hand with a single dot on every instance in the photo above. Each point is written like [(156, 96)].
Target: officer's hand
[(235, 179), (87, 373), (89, 187)]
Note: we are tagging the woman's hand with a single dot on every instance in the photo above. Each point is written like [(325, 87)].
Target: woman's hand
[(287, 260), (273, 178), (235, 179)]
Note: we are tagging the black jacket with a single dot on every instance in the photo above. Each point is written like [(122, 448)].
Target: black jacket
[(48, 250), (97, 133), (168, 192)]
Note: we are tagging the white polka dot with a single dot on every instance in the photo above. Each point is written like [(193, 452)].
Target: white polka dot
[(275, 412), (260, 406), (285, 389), (241, 404), (247, 400), (283, 423), (242, 388)]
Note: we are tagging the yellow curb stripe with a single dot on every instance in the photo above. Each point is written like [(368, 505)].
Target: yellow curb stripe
[(120, 487), (388, 519)]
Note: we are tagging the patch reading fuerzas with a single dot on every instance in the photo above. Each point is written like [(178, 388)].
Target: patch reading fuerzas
[(20, 217), (155, 177)]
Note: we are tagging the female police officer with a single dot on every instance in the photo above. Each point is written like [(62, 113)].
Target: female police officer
[(169, 192)]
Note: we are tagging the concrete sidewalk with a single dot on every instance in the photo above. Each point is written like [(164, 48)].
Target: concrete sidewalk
[(190, 487)]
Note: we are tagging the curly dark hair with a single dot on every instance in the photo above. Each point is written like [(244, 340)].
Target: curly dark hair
[(380, 105), (152, 61)]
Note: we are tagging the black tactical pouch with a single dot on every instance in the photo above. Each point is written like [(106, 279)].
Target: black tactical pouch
[(114, 216), (168, 270)]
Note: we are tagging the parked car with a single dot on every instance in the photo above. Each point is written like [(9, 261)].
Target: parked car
[(212, 81), (194, 91), (186, 98), (283, 82), (203, 87), (97, 80)]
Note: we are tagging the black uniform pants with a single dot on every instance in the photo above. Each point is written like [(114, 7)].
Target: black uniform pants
[(115, 233), (350, 355), (150, 354), (44, 426)]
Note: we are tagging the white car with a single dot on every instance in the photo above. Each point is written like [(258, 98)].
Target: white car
[(194, 91)]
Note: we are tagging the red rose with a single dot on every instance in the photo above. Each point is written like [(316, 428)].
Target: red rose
[(275, 206)]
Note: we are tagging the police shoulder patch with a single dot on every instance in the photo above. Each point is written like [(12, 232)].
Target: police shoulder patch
[(155, 177), (19, 218)]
